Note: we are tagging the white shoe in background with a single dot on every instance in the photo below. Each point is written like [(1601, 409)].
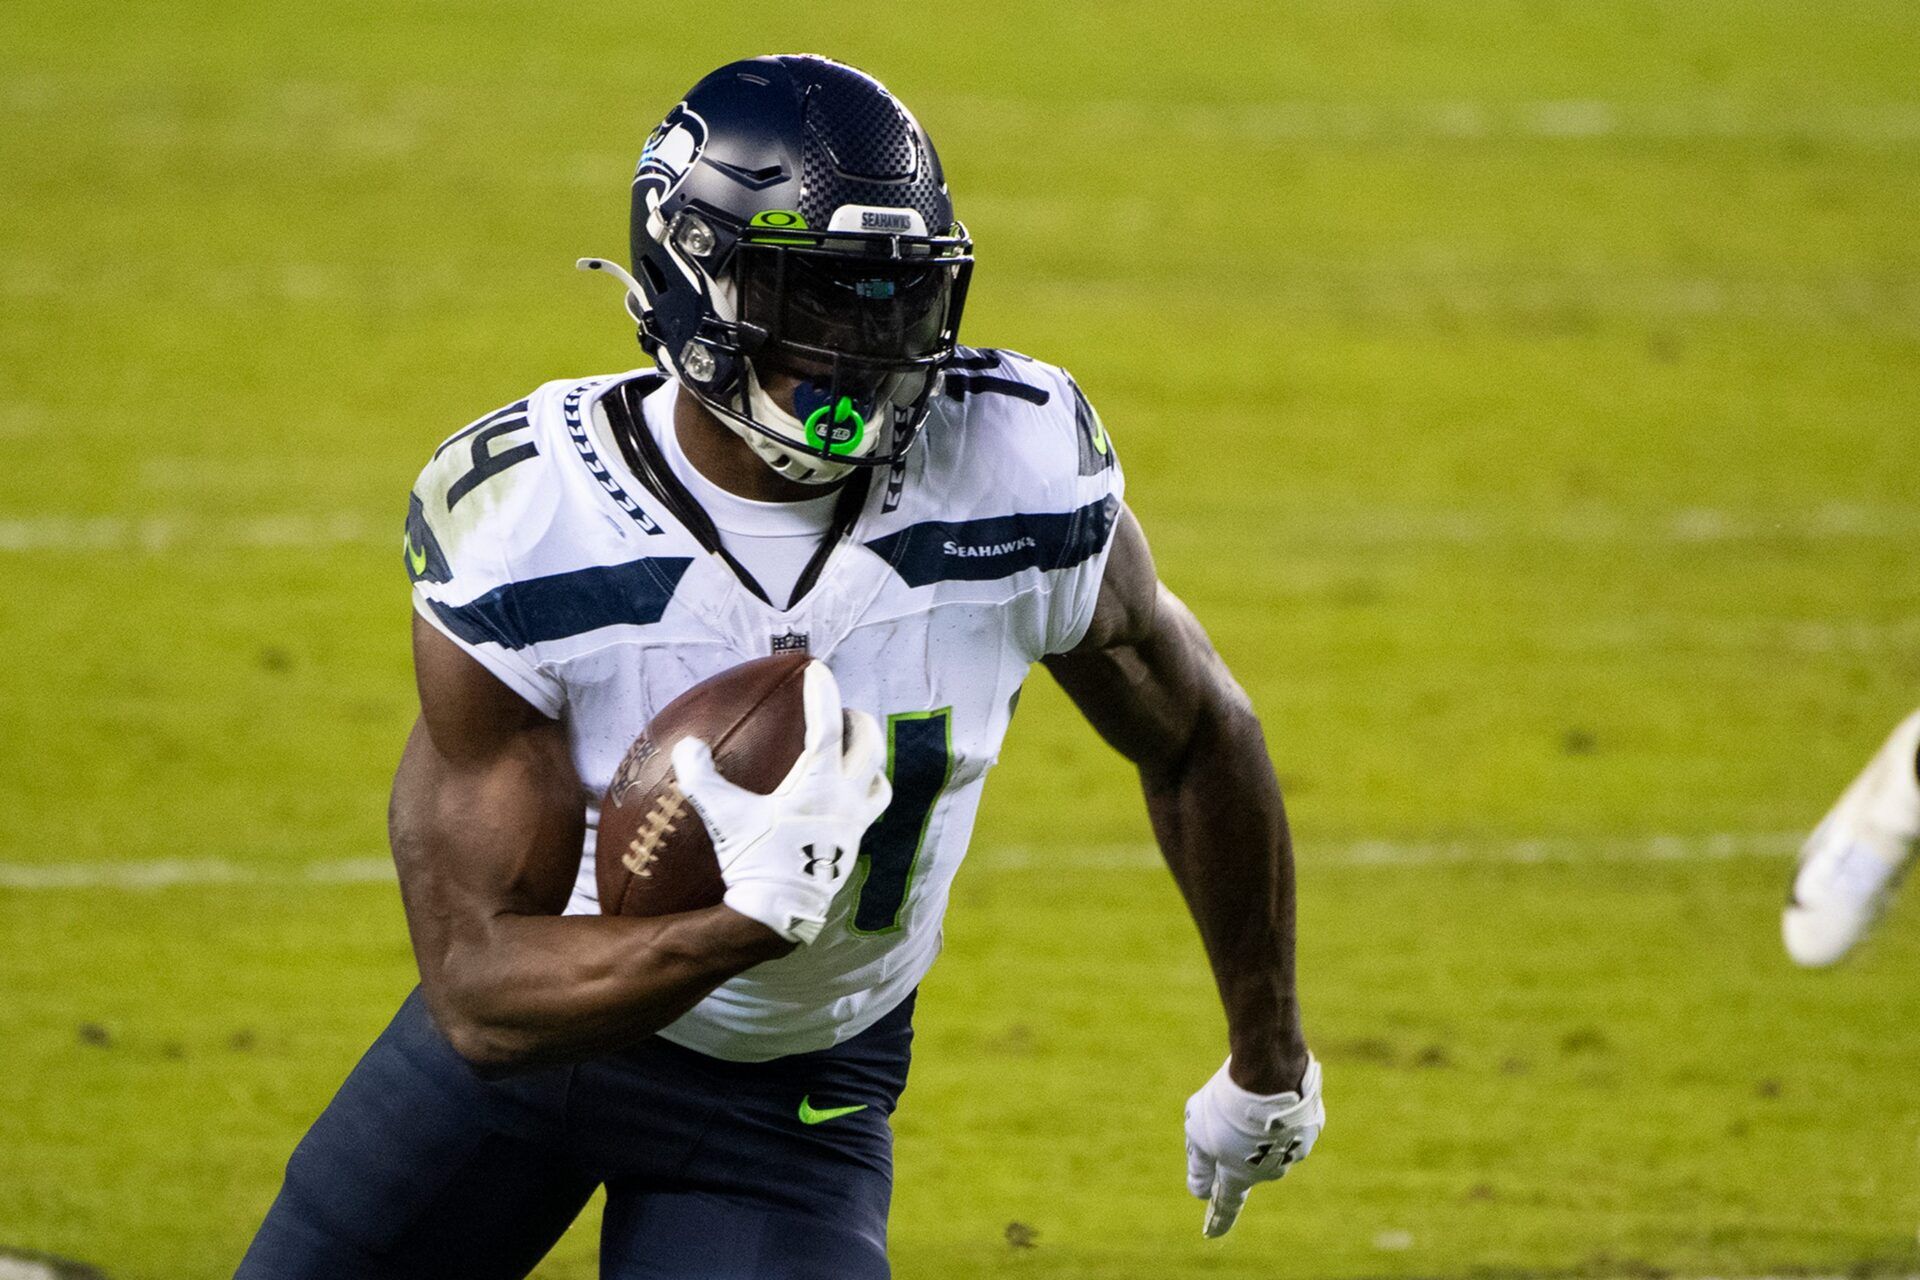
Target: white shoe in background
[(1854, 859)]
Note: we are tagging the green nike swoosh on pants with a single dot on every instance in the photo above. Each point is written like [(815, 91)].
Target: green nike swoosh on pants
[(808, 1115)]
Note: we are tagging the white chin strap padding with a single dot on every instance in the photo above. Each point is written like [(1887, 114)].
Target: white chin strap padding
[(793, 463)]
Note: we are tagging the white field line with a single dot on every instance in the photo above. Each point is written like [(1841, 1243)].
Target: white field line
[(1538, 851), (1891, 123), (1872, 299), (1866, 124), (168, 873), (1528, 851), (179, 531), (28, 1267), (1830, 522), (169, 532), (337, 118), (1423, 288)]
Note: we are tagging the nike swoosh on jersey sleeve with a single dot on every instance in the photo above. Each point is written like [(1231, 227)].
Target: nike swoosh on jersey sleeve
[(426, 560)]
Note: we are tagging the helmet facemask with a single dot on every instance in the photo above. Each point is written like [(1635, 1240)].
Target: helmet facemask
[(824, 349), (852, 343)]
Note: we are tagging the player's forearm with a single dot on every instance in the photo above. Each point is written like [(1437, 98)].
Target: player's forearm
[(1218, 816), (524, 991)]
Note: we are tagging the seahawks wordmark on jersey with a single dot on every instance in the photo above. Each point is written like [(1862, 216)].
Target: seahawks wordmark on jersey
[(535, 546)]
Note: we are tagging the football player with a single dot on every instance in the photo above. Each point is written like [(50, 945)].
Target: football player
[(1854, 860), (813, 464)]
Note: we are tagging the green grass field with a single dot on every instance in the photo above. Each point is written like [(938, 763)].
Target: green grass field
[(1525, 394)]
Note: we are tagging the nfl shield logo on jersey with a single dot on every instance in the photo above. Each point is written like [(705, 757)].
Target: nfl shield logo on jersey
[(790, 641)]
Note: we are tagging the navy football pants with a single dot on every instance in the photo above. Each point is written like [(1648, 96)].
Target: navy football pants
[(421, 1169)]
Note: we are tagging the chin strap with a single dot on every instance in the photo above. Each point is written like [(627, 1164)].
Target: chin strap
[(794, 465)]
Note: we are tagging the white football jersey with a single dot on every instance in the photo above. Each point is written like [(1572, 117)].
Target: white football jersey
[(535, 544)]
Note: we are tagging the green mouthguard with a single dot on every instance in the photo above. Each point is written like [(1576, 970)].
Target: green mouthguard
[(843, 411)]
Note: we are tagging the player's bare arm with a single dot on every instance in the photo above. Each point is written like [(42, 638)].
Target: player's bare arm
[(1149, 680), (486, 825)]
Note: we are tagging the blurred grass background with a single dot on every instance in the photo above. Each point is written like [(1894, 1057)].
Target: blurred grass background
[(1523, 392)]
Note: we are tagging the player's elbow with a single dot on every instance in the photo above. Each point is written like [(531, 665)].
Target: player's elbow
[(1231, 711), (463, 1012), (489, 1050)]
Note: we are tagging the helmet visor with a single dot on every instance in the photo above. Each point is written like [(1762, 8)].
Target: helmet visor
[(885, 310)]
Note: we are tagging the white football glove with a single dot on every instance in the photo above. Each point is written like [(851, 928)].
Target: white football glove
[(1236, 1138), (785, 856)]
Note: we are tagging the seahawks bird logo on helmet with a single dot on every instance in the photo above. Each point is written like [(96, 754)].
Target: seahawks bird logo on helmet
[(796, 262), (670, 152)]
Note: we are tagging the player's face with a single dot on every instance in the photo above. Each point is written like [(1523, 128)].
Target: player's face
[(783, 372), (781, 375), (844, 340)]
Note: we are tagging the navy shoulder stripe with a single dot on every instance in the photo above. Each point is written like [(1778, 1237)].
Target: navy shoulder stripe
[(997, 546), (959, 386), (520, 614)]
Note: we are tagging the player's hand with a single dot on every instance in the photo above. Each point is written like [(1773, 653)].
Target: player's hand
[(1236, 1138), (784, 856)]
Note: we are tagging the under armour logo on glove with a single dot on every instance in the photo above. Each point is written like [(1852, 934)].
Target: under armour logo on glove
[(1265, 1149), (816, 863), (783, 855)]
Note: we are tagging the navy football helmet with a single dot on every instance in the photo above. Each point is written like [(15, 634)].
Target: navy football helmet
[(790, 218)]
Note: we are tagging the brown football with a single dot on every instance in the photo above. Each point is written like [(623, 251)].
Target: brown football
[(652, 856)]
